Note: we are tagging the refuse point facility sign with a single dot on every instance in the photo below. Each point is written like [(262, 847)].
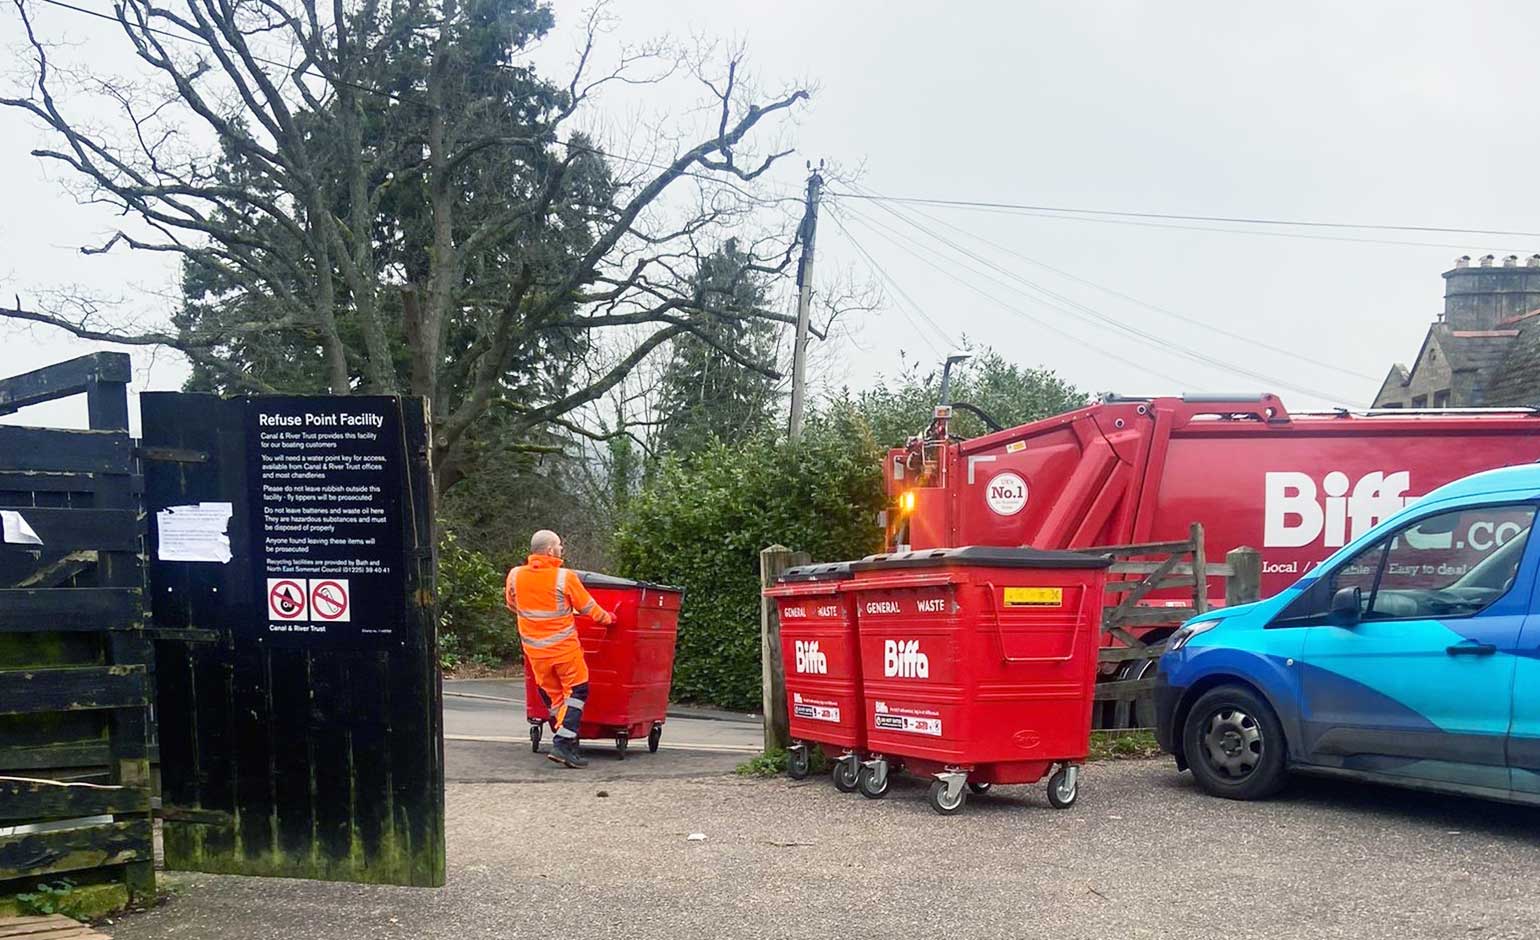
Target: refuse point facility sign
[(326, 519)]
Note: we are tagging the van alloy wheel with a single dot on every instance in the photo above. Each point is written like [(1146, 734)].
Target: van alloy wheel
[(1232, 743)]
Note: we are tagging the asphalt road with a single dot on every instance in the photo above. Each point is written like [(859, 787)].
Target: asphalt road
[(486, 738), (1143, 854)]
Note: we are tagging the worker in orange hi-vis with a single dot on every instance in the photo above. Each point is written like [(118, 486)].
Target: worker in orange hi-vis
[(544, 596)]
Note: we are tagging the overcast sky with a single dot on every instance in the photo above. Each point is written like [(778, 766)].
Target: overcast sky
[(1386, 113)]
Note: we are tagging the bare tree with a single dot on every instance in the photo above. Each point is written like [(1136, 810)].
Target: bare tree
[(398, 203)]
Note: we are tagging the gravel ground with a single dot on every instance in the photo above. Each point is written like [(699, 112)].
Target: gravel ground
[(1143, 854)]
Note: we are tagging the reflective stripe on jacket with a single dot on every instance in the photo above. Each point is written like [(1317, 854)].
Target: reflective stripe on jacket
[(544, 596)]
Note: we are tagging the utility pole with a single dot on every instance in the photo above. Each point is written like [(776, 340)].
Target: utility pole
[(804, 301)]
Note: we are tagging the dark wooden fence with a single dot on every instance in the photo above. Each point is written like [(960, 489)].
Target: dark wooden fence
[(75, 788), (1138, 571)]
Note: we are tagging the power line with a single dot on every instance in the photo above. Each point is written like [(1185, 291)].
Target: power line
[(899, 290), (1239, 220), (1251, 340), (1050, 327), (1075, 308)]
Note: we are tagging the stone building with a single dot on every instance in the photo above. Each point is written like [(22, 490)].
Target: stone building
[(1484, 350)]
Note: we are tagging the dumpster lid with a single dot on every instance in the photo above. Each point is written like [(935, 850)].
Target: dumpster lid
[(828, 571), (986, 556), (593, 579)]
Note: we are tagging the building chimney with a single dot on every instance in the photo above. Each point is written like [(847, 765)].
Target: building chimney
[(1486, 260), (1512, 261), (1534, 261), (1464, 261)]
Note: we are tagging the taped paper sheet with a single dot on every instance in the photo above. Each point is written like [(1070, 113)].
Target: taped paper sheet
[(14, 529), (194, 533)]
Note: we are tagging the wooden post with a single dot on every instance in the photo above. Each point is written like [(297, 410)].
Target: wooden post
[(772, 562), (1244, 584), (1199, 568)]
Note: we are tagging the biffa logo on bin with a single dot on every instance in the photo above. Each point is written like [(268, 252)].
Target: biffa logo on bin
[(809, 659), (903, 659)]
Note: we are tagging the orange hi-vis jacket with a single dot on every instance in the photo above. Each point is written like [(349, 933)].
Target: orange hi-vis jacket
[(545, 595)]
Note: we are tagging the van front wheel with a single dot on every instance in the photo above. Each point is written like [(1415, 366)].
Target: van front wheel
[(1234, 744)]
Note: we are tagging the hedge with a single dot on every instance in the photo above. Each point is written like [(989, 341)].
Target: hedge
[(701, 523)]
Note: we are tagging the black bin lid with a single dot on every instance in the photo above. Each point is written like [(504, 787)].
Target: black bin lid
[(593, 579), (983, 556), (827, 571)]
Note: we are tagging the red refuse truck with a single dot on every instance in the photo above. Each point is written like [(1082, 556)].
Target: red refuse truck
[(1295, 486)]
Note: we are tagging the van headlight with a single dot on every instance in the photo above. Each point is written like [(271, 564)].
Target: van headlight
[(1187, 631)]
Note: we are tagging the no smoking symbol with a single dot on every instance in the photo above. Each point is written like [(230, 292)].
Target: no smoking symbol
[(329, 600)]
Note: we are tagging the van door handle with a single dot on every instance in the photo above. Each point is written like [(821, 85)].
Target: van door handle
[(1471, 648)]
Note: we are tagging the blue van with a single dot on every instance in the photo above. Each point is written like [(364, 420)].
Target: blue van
[(1410, 657)]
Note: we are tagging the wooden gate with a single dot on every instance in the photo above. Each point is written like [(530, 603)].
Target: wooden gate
[(75, 793), (1127, 699)]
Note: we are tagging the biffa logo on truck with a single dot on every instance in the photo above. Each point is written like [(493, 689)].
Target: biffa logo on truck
[(1295, 515)]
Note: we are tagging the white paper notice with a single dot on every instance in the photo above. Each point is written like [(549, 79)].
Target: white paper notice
[(14, 529), (194, 533)]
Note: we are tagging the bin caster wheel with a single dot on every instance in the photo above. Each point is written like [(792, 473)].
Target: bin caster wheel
[(535, 733), (621, 741), (846, 774), (1064, 787), (979, 788), (653, 737), (944, 802), (797, 761), (874, 780)]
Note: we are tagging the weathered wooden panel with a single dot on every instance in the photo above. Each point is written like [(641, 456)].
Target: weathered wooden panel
[(46, 853), (63, 379), (51, 927), (23, 448), (38, 481), (34, 799), (70, 529), (72, 689), (70, 609)]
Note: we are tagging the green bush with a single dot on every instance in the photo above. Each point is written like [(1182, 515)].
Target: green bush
[(474, 624), (701, 523)]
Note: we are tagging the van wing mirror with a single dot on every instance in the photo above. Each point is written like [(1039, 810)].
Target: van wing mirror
[(1347, 607)]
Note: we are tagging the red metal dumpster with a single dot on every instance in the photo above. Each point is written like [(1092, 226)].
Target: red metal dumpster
[(978, 666), (821, 655), (630, 663)]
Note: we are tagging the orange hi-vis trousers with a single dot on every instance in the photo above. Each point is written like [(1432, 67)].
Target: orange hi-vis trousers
[(561, 676)]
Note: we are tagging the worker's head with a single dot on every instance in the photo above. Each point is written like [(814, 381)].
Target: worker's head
[(545, 542)]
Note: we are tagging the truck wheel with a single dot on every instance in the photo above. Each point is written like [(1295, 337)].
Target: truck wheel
[(846, 775), (535, 733), (1062, 791), (944, 805), (797, 762), (653, 737), (1234, 744)]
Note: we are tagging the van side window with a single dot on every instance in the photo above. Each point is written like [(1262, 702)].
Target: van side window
[(1452, 564)]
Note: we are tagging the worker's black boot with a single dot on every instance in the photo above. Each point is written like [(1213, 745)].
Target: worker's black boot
[(564, 750)]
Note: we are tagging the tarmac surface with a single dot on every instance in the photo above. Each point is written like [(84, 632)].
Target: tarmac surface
[(607, 853)]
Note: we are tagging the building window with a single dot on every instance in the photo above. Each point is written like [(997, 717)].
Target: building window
[(1392, 404), (1419, 401), (1441, 398)]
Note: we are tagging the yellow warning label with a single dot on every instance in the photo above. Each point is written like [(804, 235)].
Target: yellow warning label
[(1034, 597), (1015, 447)]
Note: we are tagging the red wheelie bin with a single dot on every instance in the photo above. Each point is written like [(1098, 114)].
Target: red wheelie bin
[(978, 668), (821, 655), (630, 664)]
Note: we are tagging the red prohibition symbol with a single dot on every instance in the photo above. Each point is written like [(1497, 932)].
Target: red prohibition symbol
[(328, 600), (286, 599)]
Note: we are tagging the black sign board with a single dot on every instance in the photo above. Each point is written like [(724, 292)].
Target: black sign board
[(326, 519)]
